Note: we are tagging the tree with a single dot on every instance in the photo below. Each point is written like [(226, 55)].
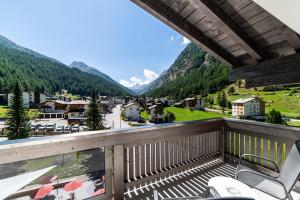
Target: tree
[(18, 120), (222, 99), (210, 100), (169, 117), (275, 117), (94, 117), (231, 90)]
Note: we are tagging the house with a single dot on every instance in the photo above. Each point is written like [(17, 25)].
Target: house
[(56, 106), (64, 98), (26, 99), (156, 113), (194, 103), (53, 109), (77, 111), (248, 107), (166, 101), (131, 111), (179, 104)]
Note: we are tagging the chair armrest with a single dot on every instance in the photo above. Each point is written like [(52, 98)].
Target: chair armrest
[(258, 178), (259, 157)]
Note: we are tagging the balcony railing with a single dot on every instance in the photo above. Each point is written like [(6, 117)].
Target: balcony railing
[(134, 158)]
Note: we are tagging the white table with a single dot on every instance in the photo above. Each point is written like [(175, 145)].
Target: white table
[(228, 187)]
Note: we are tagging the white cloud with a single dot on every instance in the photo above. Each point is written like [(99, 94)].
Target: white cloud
[(185, 40), (149, 76), (172, 38)]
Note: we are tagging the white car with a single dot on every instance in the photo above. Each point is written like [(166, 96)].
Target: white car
[(60, 128), (67, 128), (75, 128), (42, 128), (50, 127)]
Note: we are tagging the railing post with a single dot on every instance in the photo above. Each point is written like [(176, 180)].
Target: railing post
[(221, 142), (108, 172), (118, 180)]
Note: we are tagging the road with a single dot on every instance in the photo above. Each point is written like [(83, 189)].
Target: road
[(113, 119)]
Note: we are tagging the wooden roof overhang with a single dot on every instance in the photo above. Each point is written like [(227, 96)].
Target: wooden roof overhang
[(259, 47)]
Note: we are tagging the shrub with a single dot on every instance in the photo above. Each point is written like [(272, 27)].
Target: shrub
[(169, 117)]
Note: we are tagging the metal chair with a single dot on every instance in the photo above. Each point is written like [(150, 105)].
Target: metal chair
[(278, 186)]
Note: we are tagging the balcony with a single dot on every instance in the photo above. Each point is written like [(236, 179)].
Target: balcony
[(175, 159)]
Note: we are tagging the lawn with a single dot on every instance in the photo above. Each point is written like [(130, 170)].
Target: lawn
[(32, 113), (145, 115), (295, 124), (285, 102), (3, 110), (184, 114)]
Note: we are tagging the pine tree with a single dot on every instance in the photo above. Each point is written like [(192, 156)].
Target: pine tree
[(18, 120), (275, 117), (94, 118)]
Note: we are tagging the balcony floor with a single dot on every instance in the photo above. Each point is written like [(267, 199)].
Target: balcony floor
[(192, 182)]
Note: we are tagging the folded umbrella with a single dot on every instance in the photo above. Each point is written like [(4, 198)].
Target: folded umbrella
[(73, 185), (98, 192), (43, 191)]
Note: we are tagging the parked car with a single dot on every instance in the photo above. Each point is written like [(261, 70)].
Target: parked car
[(60, 128), (67, 128), (42, 128), (33, 127), (50, 127), (75, 128)]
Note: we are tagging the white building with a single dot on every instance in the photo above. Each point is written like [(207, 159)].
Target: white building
[(26, 99), (132, 111), (248, 107)]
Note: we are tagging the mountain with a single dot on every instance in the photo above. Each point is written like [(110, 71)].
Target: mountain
[(194, 72), (40, 73), (91, 70)]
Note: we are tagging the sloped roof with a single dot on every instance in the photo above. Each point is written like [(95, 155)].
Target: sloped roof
[(243, 100), (259, 47)]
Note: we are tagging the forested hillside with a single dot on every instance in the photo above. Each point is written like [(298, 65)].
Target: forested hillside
[(40, 73), (91, 70), (193, 72)]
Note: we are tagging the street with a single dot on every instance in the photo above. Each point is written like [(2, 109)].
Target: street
[(113, 119)]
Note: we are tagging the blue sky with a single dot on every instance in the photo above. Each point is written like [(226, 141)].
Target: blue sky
[(115, 36)]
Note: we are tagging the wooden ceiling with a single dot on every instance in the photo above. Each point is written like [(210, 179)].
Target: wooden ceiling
[(259, 47)]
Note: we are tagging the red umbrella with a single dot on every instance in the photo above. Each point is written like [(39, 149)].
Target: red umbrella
[(73, 185), (98, 192), (43, 191)]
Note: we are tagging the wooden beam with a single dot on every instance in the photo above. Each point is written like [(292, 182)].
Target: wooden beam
[(279, 71), (178, 23), (226, 24)]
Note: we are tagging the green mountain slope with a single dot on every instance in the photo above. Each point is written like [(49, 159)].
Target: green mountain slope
[(40, 73), (193, 72)]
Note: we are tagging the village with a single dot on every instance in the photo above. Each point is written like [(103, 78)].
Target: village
[(65, 113)]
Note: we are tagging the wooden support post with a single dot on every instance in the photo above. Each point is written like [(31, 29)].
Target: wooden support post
[(108, 172), (221, 142), (118, 176)]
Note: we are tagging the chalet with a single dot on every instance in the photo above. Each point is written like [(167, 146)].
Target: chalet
[(131, 111), (194, 103), (54, 107), (156, 113), (248, 107), (77, 111), (179, 104), (64, 98)]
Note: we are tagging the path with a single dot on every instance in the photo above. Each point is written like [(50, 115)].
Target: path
[(113, 119)]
